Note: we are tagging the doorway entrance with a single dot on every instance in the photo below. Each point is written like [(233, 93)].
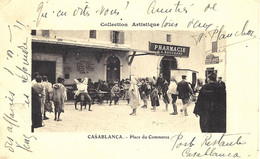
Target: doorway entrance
[(45, 68), (167, 64), (113, 69), (208, 72)]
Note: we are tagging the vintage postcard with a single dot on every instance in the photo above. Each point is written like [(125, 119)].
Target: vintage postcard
[(129, 79)]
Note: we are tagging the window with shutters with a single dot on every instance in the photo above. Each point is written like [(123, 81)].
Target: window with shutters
[(215, 46), (92, 34), (117, 37), (168, 38), (46, 33)]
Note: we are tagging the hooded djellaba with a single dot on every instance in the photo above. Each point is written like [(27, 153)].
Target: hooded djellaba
[(134, 95), (211, 106), (59, 97)]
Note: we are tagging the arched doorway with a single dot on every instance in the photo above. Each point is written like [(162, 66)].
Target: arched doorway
[(113, 69), (167, 64)]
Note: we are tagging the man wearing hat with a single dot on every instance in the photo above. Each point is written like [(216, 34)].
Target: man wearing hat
[(221, 82), (185, 91), (114, 93), (211, 106)]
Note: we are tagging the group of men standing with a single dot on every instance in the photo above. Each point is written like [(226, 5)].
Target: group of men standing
[(169, 91), (210, 105), (44, 96)]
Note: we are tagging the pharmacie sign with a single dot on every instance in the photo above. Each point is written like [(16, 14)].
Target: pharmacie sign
[(170, 50)]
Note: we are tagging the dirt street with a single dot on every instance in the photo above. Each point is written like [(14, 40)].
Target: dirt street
[(116, 118)]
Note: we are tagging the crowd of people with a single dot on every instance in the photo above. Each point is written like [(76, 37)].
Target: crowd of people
[(210, 98), (45, 96), (169, 91)]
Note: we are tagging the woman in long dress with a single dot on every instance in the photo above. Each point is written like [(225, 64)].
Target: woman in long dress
[(134, 95)]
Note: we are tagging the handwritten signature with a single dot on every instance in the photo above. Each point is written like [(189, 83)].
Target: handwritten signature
[(210, 142), (21, 70), (12, 124), (220, 34)]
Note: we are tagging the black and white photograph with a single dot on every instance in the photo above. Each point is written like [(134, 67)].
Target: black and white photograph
[(127, 80)]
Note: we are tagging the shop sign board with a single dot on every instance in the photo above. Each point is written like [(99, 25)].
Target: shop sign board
[(211, 59), (169, 50)]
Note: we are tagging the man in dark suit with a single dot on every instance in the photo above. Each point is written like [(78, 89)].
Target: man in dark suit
[(185, 91), (211, 106), (221, 82)]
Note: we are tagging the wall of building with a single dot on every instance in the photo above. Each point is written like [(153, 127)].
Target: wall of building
[(50, 56), (145, 66), (102, 36), (220, 43), (95, 70), (124, 67), (221, 53), (142, 66), (221, 66), (140, 41)]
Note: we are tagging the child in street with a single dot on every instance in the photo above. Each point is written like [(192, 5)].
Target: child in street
[(126, 88), (165, 94), (144, 93), (154, 98)]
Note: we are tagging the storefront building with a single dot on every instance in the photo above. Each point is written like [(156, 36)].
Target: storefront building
[(98, 55), (111, 55), (171, 53)]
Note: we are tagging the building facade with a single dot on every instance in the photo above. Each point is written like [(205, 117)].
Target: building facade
[(215, 58), (79, 54), (115, 55)]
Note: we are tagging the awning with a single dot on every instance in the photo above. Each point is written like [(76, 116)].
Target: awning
[(119, 47), (80, 44), (187, 70)]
